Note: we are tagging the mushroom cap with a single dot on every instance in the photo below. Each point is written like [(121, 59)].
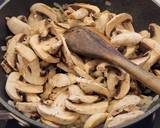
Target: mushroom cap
[(11, 86)]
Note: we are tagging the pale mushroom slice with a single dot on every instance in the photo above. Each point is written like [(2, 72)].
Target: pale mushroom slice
[(124, 87), (44, 9), (11, 86), (126, 103), (112, 81), (102, 20), (50, 123), (32, 97), (26, 107), (47, 91), (60, 80), (145, 34), (126, 39), (56, 112), (65, 68), (35, 44), (154, 52), (79, 14), (28, 88), (95, 120), (89, 7), (155, 31), (122, 118), (116, 20), (30, 71), (130, 51), (88, 109), (89, 21), (17, 26), (26, 52), (77, 95), (82, 73), (128, 26), (11, 50), (90, 85)]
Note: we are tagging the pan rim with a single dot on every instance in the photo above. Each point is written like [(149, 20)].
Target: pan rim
[(39, 124)]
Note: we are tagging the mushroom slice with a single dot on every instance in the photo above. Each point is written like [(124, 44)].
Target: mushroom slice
[(128, 26), (17, 26), (116, 20), (82, 73), (30, 71), (130, 51), (44, 9), (90, 85), (79, 14), (89, 21), (11, 86), (31, 97), (128, 101), (95, 120), (56, 112), (11, 50), (65, 68), (28, 88), (6, 67), (155, 30), (112, 81), (76, 95), (154, 52), (35, 44), (88, 109), (123, 118), (47, 91), (60, 80), (102, 20), (145, 34), (89, 7), (28, 107), (47, 122), (25, 52), (126, 39), (124, 87), (140, 60)]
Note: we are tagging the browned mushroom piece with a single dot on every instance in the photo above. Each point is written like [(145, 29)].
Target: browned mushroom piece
[(155, 31)]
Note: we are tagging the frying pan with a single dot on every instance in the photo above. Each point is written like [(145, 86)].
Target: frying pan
[(143, 12)]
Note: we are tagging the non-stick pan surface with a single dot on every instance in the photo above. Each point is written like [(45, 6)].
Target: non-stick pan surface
[(143, 12)]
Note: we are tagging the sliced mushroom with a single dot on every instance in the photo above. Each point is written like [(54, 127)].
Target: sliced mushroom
[(128, 26), (95, 120), (28, 107), (56, 112), (44, 9), (76, 95), (65, 68), (11, 86), (102, 20), (82, 73), (124, 87), (90, 85), (154, 52), (60, 80), (126, 39), (17, 26), (128, 101), (28, 88), (31, 97), (130, 51), (89, 21), (11, 50), (30, 71), (89, 7), (79, 14), (50, 123), (47, 91), (145, 34), (155, 31), (6, 67), (26, 52), (112, 81), (123, 118), (35, 44), (88, 109), (116, 20)]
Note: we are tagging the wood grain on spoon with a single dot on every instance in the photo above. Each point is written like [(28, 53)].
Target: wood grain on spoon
[(88, 42)]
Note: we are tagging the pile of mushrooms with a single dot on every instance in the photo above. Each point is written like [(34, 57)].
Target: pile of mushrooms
[(48, 82)]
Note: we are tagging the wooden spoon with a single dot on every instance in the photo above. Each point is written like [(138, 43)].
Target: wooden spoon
[(88, 42)]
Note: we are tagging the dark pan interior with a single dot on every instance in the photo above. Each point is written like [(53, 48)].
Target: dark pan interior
[(143, 12)]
